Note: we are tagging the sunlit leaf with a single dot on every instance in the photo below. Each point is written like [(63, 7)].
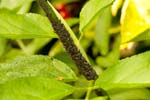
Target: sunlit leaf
[(34, 88), (131, 72), (35, 45), (36, 66), (11, 54), (144, 36), (102, 34), (135, 18), (100, 98), (112, 57), (17, 26), (64, 57), (72, 21), (18, 6), (115, 6), (129, 94), (91, 9)]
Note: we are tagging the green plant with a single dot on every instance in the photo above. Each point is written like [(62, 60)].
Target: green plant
[(29, 27)]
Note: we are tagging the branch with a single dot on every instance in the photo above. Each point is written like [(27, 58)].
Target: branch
[(67, 41)]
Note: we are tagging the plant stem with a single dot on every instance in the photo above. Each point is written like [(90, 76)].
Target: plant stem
[(22, 46), (67, 41), (89, 90)]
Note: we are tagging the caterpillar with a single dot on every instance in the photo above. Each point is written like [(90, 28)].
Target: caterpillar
[(68, 43)]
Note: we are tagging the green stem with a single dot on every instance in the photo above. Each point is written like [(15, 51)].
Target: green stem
[(89, 90), (22, 46), (67, 41), (88, 93)]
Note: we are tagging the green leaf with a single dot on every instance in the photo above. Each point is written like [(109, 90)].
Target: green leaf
[(102, 34), (131, 72), (143, 36), (64, 57), (3, 44), (135, 18), (34, 88), (63, 1), (116, 6), (36, 45), (112, 57), (100, 98), (19, 6), (11, 54), (129, 94), (91, 10), (36, 65), (73, 99), (17, 26), (72, 21)]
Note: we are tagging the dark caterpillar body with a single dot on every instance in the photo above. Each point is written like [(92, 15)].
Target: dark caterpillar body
[(68, 43), (73, 51)]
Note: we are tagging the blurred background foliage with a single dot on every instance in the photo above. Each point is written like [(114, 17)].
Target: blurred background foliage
[(101, 39), (118, 31)]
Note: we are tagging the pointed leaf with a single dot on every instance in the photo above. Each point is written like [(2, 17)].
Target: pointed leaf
[(112, 57), (102, 34), (135, 18), (144, 36), (19, 6), (90, 10), (115, 6), (37, 65), (131, 72), (17, 26), (34, 88)]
